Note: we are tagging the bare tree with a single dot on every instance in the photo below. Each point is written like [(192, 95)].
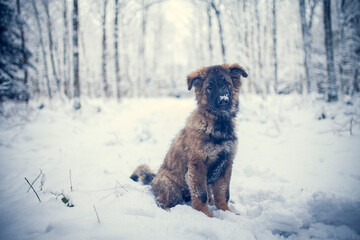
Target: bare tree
[(118, 6), (274, 34), (66, 60), (221, 34), (142, 66), (42, 46), (75, 21), (208, 12), (349, 64), (332, 94), (51, 43), (258, 29), (116, 49), (306, 44), (24, 51), (142, 47), (246, 34), (106, 87)]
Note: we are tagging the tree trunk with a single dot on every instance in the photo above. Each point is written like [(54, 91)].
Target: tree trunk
[(116, 49), (51, 44), (247, 28), (23, 46), (332, 88), (104, 54), (142, 62), (37, 78), (42, 45), (252, 54), (208, 11), (306, 44), (66, 61), (221, 35), (259, 57), (349, 45), (275, 47), (75, 24)]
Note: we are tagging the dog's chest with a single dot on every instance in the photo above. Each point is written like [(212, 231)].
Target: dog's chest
[(219, 148), (217, 159), (213, 150), (221, 139)]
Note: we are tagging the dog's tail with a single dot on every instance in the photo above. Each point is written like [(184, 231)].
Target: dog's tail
[(143, 174)]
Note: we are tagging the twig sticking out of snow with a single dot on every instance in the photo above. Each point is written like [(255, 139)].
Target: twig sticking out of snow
[(352, 123), (33, 189), (346, 127), (97, 215), (71, 188), (34, 180), (64, 199), (117, 192)]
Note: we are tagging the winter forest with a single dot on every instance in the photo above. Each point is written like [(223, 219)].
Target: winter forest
[(91, 89), (114, 49)]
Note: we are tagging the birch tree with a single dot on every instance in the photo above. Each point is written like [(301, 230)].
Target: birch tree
[(75, 25), (24, 50), (106, 87), (51, 43), (274, 35), (116, 49), (349, 32), (306, 44), (258, 40), (210, 45), (332, 94), (42, 46), (66, 60), (216, 8)]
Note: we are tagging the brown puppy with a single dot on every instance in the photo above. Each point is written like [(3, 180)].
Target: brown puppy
[(199, 161)]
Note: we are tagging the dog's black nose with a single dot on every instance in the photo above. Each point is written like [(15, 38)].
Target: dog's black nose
[(223, 100)]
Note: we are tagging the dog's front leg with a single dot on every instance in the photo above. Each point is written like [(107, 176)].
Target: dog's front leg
[(196, 179), (222, 191)]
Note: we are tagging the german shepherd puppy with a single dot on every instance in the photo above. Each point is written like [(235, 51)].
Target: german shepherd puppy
[(199, 162)]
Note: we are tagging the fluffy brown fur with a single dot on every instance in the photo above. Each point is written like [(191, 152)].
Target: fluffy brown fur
[(198, 164)]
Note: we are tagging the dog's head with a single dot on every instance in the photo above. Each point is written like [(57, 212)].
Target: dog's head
[(217, 87)]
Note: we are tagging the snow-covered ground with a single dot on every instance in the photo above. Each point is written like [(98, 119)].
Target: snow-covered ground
[(296, 174)]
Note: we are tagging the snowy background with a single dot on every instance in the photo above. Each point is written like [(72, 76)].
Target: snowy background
[(297, 171), (296, 174)]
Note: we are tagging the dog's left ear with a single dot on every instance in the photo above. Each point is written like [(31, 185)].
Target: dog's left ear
[(193, 79), (235, 72)]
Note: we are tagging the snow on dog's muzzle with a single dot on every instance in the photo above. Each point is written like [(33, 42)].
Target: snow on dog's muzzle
[(224, 100)]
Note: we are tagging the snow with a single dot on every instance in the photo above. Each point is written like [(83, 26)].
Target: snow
[(224, 97), (296, 174)]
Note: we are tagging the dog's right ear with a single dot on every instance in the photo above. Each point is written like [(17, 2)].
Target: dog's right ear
[(194, 79)]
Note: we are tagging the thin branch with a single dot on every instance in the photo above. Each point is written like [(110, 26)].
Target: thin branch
[(346, 127), (71, 188), (148, 5), (33, 190), (64, 199), (117, 192), (34, 180), (97, 215), (117, 183)]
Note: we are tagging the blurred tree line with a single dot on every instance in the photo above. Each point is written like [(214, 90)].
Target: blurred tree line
[(116, 48)]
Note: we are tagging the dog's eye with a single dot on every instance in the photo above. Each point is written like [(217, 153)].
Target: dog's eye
[(209, 88)]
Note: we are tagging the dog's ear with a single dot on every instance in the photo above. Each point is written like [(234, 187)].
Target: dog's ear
[(235, 72), (194, 79)]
